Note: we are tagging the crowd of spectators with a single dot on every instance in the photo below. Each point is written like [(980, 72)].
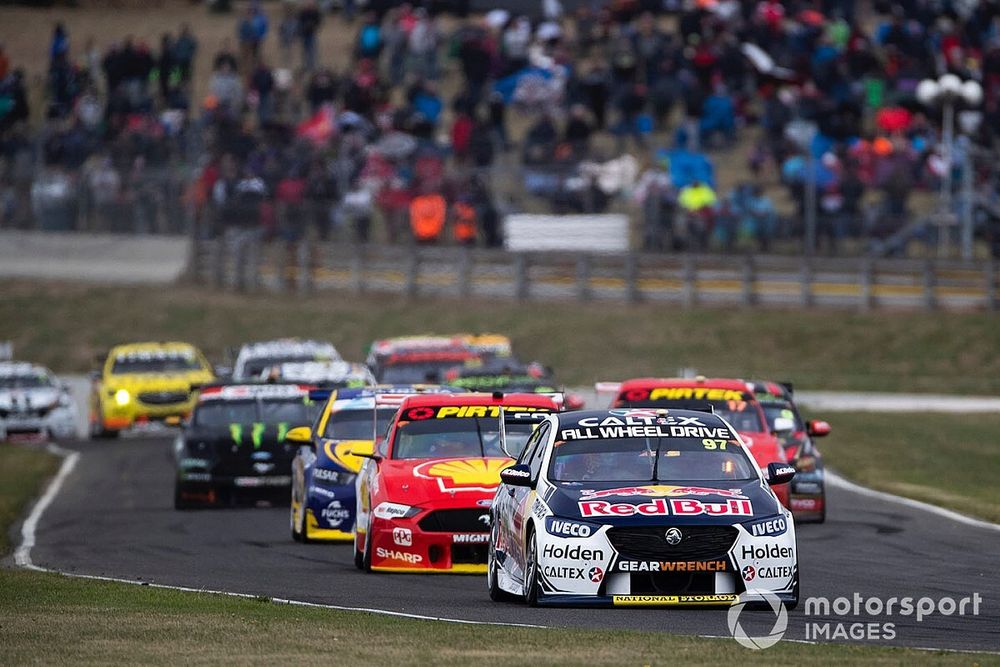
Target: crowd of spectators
[(612, 104)]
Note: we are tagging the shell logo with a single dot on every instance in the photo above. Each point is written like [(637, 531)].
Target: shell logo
[(464, 474)]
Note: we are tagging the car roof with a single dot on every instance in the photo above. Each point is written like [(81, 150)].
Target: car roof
[(569, 419), (712, 383), (21, 369), (283, 346), (520, 399), (126, 349), (242, 392)]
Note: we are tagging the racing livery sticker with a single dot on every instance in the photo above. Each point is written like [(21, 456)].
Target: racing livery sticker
[(464, 474), (665, 507), (661, 490)]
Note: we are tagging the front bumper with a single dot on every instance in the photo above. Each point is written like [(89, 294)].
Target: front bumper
[(330, 513), (57, 423), (402, 546)]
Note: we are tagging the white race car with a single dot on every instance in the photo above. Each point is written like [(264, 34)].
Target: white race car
[(640, 507), (254, 358), (33, 403)]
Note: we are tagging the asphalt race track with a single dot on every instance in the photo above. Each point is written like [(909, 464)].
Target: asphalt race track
[(115, 517)]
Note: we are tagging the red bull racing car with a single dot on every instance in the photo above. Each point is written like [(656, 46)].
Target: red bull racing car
[(733, 400)]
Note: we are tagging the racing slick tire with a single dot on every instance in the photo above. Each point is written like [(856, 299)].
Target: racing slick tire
[(98, 432), (304, 526), (794, 602), (531, 570), (366, 557), (497, 594), (294, 523), (179, 502)]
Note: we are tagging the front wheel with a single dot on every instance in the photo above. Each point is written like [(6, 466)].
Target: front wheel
[(497, 594), (531, 571)]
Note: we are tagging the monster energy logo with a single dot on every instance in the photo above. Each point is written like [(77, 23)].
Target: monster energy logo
[(256, 433)]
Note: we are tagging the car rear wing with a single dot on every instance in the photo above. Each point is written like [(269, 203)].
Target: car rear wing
[(517, 418), (607, 387)]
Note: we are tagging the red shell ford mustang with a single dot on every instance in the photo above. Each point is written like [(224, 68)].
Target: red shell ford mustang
[(424, 496), (733, 400)]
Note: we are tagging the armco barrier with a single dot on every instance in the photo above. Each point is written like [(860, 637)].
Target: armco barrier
[(856, 283)]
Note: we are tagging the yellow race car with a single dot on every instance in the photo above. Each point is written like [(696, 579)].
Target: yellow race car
[(143, 382)]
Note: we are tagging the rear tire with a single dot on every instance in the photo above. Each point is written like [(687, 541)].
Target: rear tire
[(293, 522), (795, 592), (179, 502), (531, 571), (303, 524)]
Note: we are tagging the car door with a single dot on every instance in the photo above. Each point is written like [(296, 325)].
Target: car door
[(523, 496)]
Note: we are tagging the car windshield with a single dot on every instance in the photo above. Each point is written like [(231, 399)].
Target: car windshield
[(356, 424), (743, 414), (650, 460), (219, 414), (457, 438), (252, 368), (781, 409), (159, 362), (415, 372), (25, 381)]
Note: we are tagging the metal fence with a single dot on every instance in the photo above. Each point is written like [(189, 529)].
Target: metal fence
[(687, 280)]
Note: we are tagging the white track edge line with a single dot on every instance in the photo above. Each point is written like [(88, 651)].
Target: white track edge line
[(836, 480), (22, 557)]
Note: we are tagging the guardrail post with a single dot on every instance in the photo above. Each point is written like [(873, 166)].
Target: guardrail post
[(304, 260), (867, 282), (358, 270), (521, 287), (412, 272), (749, 278), (583, 277), (930, 281), (807, 281), (632, 278), (690, 278), (991, 284), (465, 273)]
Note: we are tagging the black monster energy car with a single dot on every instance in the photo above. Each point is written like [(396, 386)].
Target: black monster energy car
[(234, 446)]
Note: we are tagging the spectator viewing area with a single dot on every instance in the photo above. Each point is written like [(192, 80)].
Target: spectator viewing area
[(284, 132)]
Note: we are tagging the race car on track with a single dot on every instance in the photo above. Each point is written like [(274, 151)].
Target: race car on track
[(808, 489), (415, 359), (33, 404), (254, 358), (328, 374), (327, 462), (424, 495), (508, 375), (640, 507), (236, 444), (733, 400), (145, 382)]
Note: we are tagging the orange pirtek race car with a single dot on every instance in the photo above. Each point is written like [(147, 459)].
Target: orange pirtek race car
[(733, 400), (424, 496)]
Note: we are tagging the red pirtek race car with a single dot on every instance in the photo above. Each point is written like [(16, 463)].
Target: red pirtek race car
[(808, 497), (733, 400), (424, 496)]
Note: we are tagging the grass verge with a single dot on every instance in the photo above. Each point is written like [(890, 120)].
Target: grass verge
[(943, 459), (54, 619), (22, 471), (65, 325)]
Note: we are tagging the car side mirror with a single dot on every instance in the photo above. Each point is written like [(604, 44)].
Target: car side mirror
[(817, 428), (300, 434), (377, 458), (516, 475), (779, 473)]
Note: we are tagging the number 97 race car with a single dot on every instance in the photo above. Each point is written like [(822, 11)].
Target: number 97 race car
[(640, 507)]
